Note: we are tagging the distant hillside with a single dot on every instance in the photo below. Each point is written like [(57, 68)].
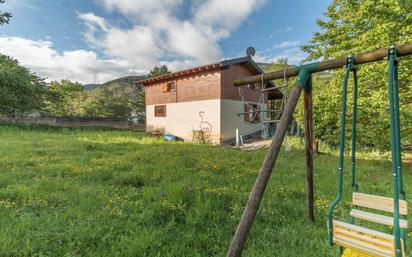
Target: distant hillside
[(131, 80), (89, 87), (125, 81)]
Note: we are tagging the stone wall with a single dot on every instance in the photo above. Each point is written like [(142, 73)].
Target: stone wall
[(65, 122)]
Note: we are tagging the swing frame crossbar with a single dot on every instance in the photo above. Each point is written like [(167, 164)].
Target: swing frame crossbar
[(304, 82), (372, 56)]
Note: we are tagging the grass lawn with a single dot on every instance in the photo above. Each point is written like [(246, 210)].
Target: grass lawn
[(118, 193)]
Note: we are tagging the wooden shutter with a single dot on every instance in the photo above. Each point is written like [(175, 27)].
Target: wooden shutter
[(171, 86), (164, 88), (160, 110)]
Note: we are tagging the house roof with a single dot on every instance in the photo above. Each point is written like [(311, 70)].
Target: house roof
[(276, 94), (251, 64)]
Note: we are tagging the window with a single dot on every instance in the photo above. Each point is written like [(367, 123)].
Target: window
[(252, 113), (171, 86), (160, 111)]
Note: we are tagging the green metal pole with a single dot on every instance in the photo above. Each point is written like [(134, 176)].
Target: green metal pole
[(353, 147), (398, 137), (341, 149), (396, 229), (398, 129), (354, 116)]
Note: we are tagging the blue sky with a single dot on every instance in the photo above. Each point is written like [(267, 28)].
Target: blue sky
[(98, 40)]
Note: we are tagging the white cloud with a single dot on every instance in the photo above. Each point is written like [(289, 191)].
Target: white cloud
[(14, 4), (178, 33), (80, 65), (93, 22), (286, 44), (294, 56), (286, 29), (283, 30), (282, 50), (137, 45), (141, 9), (158, 31), (219, 18)]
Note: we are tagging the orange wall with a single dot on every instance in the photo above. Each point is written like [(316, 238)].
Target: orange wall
[(207, 85), (232, 93), (201, 86)]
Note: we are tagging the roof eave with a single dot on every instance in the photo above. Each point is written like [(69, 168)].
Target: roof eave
[(182, 73), (240, 60)]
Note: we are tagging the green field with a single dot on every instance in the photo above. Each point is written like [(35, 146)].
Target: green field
[(118, 193)]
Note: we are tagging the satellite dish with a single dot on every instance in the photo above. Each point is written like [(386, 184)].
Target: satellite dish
[(250, 51)]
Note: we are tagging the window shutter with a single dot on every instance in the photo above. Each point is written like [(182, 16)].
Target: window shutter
[(160, 111), (164, 88)]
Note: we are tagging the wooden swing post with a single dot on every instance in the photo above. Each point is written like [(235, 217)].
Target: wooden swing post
[(256, 195), (303, 72), (308, 122)]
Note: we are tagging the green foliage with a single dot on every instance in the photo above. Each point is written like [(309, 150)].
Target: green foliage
[(4, 16), (357, 26), (120, 97), (63, 98), (20, 90), (91, 105), (159, 71), (140, 106), (70, 192), (117, 99), (268, 67)]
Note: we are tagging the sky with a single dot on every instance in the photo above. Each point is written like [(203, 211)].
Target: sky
[(94, 41)]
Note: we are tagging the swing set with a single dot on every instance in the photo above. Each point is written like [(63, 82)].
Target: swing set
[(354, 240), (268, 116)]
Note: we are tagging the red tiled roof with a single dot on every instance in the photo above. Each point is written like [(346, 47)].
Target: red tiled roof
[(213, 66), (182, 73)]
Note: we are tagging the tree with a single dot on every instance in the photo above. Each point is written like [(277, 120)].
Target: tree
[(115, 100), (4, 16), (140, 106), (139, 101), (355, 26), (20, 90), (62, 99), (283, 62), (90, 104), (112, 100), (159, 71)]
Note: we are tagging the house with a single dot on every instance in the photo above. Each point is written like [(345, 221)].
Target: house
[(204, 99)]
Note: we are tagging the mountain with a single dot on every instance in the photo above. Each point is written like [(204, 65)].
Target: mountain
[(124, 81), (131, 80), (89, 87)]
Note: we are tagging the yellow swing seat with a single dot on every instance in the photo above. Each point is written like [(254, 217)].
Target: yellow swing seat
[(364, 242)]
